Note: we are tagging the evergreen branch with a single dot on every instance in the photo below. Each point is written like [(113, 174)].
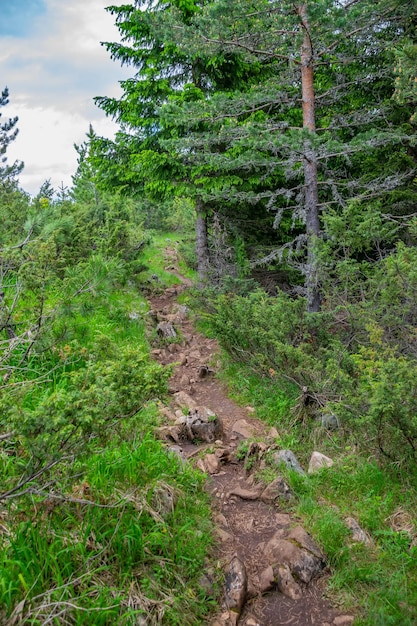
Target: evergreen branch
[(278, 253), (355, 31), (263, 53), (20, 245)]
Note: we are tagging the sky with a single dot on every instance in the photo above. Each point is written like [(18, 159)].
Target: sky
[(53, 64)]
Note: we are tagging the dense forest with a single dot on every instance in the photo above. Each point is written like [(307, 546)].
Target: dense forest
[(276, 142)]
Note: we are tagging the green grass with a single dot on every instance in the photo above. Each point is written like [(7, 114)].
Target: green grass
[(272, 401), (378, 579), (109, 551)]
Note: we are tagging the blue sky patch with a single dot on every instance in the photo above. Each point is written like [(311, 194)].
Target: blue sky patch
[(17, 16)]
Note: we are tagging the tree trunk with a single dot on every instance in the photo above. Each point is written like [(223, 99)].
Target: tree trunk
[(310, 163), (202, 248)]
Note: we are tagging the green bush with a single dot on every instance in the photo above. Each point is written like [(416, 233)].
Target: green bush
[(358, 362), (83, 407)]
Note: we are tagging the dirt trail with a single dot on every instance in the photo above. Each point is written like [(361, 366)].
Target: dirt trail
[(245, 523)]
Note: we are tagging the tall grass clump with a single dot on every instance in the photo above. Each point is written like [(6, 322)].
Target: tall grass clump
[(124, 536)]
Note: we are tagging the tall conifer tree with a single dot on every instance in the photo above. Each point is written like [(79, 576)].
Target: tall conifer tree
[(164, 71), (8, 133), (325, 112)]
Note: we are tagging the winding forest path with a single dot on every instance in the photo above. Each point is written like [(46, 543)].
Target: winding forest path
[(252, 529)]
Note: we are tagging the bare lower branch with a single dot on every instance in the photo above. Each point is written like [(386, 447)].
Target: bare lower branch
[(20, 245), (64, 498), (15, 491)]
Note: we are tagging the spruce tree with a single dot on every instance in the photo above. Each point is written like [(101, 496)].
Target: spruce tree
[(140, 159), (8, 133), (324, 114)]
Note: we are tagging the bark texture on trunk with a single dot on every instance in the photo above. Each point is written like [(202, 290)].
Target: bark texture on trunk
[(202, 249), (310, 162)]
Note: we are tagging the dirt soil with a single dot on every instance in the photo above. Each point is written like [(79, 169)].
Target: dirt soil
[(244, 526)]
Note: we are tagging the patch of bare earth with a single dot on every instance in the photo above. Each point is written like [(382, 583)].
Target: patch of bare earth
[(262, 549)]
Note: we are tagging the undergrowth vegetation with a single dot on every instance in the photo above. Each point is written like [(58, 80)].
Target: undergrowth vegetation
[(375, 580), (341, 381), (124, 536), (99, 523), (356, 361)]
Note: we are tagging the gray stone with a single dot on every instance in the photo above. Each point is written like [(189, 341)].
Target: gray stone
[(184, 380), (236, 585), (282, 519), (330, 421), (204, 413), (246, 494), (242, 427), (302, 563), (318, 461), (358, 534), (286, 583), (288, 458), (164, 499), (182, 400), (194, 355), (204, 425), (273, 433), (277, 490), (266, 579), (168, 433), (177, 450), (166, 412), (212, 463), (166, 330), (204, 371), (180, 423), (304, 540)]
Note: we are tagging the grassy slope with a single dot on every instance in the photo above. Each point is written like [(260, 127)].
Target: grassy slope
[(121, 531), (111, 551)]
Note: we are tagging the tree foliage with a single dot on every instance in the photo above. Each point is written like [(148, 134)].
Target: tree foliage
[(8, 133)]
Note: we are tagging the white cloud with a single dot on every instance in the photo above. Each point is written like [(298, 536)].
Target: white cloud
[(46, 144), (53, 76)]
